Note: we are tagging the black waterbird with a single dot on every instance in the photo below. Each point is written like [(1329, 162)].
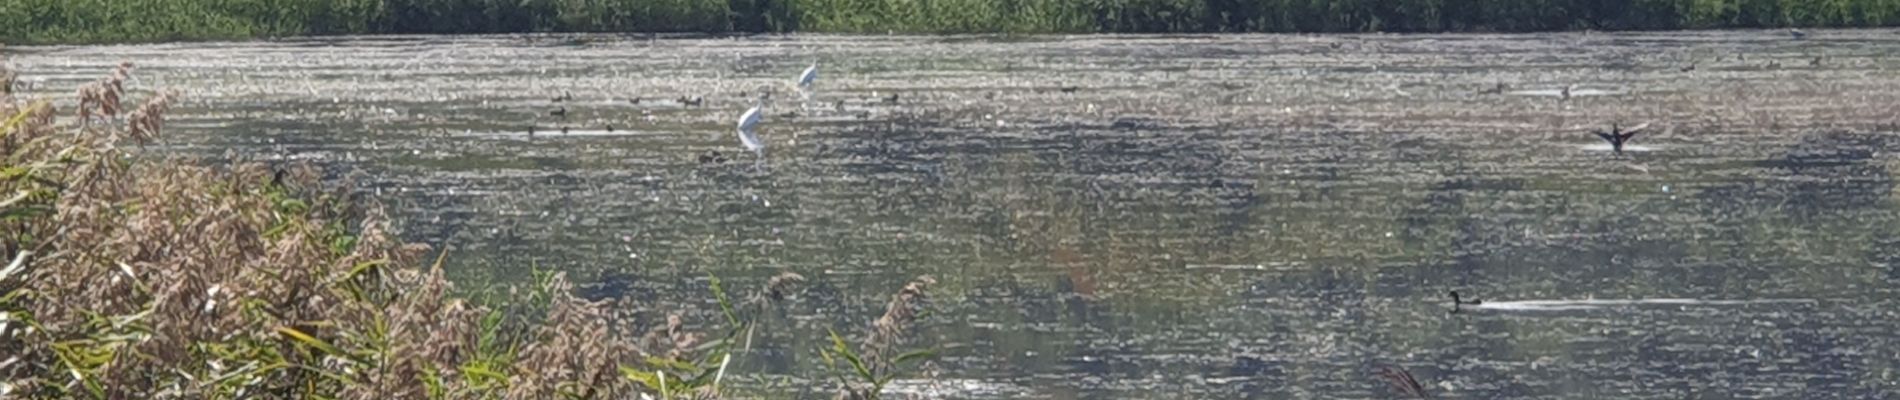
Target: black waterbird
[(1457, 302), (1617, 136)]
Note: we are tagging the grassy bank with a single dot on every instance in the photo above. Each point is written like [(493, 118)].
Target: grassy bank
[(127, 275), (65, 21)]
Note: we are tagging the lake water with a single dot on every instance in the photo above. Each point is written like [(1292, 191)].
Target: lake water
[(1143, 216)]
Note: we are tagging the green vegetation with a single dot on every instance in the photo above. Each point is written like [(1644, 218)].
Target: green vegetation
[(127, 277), (66, 21)]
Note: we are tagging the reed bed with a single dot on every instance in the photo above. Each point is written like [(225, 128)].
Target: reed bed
[(126, 275), (64, 21)]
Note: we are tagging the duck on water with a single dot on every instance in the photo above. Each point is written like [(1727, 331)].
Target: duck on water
[(1457, 303)]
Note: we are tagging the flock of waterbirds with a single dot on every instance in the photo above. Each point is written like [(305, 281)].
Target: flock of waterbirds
[(748, 121), (1401, 380)]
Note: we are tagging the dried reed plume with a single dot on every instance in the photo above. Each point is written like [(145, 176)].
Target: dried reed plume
[(577, 349), (7, 79), (148, 120), (889, 330), (879, 362), (102, 96), (1402, 380)]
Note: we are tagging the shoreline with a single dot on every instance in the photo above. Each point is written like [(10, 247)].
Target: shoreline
[(111, 21), (585, 38)]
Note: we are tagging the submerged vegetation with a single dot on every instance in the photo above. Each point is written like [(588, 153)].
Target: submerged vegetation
[(128, 276), (48, 21)]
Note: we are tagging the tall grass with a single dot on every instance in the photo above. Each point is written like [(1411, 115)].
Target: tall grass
[(125, 276), (48, 21)]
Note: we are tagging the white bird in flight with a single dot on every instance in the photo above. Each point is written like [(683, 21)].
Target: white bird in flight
[(806, 79), (748, 124)]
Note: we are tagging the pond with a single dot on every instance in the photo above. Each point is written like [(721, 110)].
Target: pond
[(1261, 216)]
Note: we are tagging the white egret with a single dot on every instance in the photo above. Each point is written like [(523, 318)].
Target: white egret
[(806, 79), (748, 124)]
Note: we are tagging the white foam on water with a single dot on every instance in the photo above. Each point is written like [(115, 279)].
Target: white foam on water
[(1558, 305), (956, 388), (1626, 148), (544, 133), (1560, 92), (1272, 266)]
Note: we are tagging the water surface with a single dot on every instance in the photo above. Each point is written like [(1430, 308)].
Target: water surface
[(1143, 216)]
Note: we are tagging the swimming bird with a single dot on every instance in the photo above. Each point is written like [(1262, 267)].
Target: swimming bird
[(1617, 136), (563, 130), (1456, 302), (748, 124), (1797, 33), (1690, 67), (711, 157), (1567, 89), (806, 79), (635, 100), (693, 102), (562, 112), (610, 129), (1070, 89), (1499, 88), (892, 99)]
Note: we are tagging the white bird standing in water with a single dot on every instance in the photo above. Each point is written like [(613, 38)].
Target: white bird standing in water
[(806, 79), (748, 124)]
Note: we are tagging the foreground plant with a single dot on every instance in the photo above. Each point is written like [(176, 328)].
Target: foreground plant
[(863, 373), (157, 278)]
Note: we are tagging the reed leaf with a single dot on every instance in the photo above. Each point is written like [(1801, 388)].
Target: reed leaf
[(843, 350), (315, 343)]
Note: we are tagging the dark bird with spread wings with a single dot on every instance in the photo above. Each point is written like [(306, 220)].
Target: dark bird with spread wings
[(1617, 136)]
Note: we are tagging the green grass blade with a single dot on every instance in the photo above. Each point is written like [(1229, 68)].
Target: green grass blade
[(857, 363), (315, 343)]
